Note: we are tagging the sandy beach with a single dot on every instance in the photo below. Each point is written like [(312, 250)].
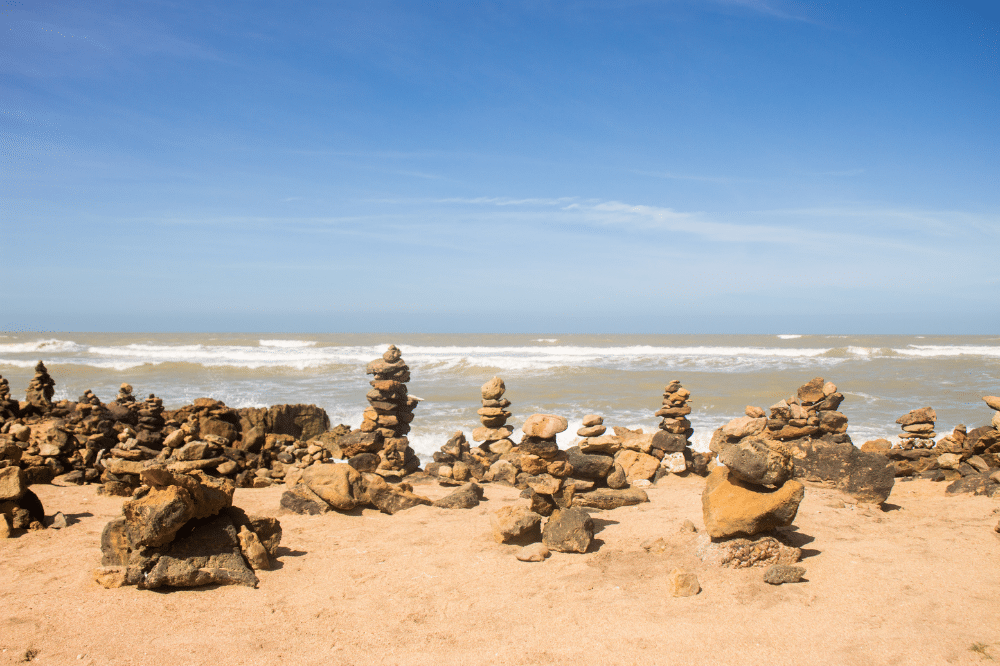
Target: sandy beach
[(913, 584)]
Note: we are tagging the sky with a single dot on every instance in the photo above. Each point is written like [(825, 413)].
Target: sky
[(661, 166)]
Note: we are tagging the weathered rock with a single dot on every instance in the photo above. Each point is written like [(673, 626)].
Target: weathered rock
[(741, 553), (536, 552), (779, 574), (922, 415), (516, 524), (207, 553), (607, 498), (732, 508), (493, 389), (253, 550), (503, 471), (812, 391), (637, 465), (357, 442), (545, 484), (465, 497), (544, 426), (756, 460), (683, 583), (568, 531), (337, 484), (868, 477), (669, 442), (674, 463), (390, 499), (993, 401), (591, 420), (12, 483), (300, 499), (616, 479), (744, 426), (154, 519)]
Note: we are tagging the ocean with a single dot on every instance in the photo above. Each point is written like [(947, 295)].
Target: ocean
[(620, 377)]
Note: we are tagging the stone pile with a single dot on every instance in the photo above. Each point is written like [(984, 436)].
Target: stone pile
[(182, 530), (567, 529), (815, 434), (457, 462), (747, 497), (536, 462), (968, 459), (40, 390), (20, 509), (389, 415), (9, 408), (494, 433), (918, 428), (674, 437), (603, 465)]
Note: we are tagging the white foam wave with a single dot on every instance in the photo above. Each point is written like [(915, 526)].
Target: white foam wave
[(51, 346), (287, 344), (789, 336), (949, 350), (547, 340)]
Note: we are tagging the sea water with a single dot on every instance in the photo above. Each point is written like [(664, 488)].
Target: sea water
[(620, 377)]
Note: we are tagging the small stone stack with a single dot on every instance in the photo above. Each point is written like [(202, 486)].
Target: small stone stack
[(88, 398), (390, 413), (20, 509), (918, 428), (125, 396), (537, 465), (8, 407), (41, 389), (751, 493), (674, 438), (494, 432), (151, 419), (811, 412), (182, 530)]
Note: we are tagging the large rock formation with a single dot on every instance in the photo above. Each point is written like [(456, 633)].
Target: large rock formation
[(181, 530), (341, 487), (390, 413)]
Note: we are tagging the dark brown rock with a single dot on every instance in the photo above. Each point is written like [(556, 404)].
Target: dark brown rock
[(607, 498), (568, 531)]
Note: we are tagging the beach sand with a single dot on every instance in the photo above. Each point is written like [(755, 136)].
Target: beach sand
[(916, 584)]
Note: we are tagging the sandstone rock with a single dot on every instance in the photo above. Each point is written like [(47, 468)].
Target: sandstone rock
[(591, 420), (357, 442), (732, 508), (668, 442), (868, 477), (993, 401), (544, 484), (544, 426), (154, 519), (812, 391), (543, 505), (778, 574), (536, 552), (637, 465), (616, 479), (683, 583), (754, 412), (922, 415), (949, 461), (12, 483), (589, 466), (568, 531), (390, 499), (110, 577), (253, 550), (300, 499), (756, 460), (603, 445), (876, 446), (493, 389), (503, 471), (744, 426), (592, 431), (516, 524), (337, 484), (607, 498), (465, 497)]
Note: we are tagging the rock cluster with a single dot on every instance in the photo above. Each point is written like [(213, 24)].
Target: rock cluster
[(918, 428), (814, 433), (536, 462), (387, 419), (341, 487), (20, 509), (182, 530), (40, 390), (567, 529), (968, 459)]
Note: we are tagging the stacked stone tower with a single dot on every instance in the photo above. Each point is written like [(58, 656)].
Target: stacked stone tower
[(674, 436), (494, 433), (918, 428), (8, 407), (41, 389), (390, 413), (151, 419), (125, 396)]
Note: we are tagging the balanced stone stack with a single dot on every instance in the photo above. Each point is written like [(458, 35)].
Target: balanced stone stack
[(20, 509), (536, 462), (40, 390), (494, 433), (125, 396), (9, 408), (751, 494), (390, 414), (457, 462), (815, 434), (182, 530), (918, 428), (151, 420), (675, 434)]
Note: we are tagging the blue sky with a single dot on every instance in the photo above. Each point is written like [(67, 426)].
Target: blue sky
[(666, 166)]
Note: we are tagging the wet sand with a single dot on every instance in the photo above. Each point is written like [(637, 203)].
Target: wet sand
[(916, 584)]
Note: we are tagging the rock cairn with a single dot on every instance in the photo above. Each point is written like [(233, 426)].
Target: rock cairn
[(494, 433), (20, 509), (390, 414), (750, 494), (968, 459), (674, 438), (602, 463), (815, 434), (125, 396), (9, 408), (918, 428), (182, 530), (41, 389)]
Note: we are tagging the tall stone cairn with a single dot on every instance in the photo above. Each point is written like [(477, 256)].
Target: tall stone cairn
[(390, 413), (918, 428), (8, 407), (151, 419), (41, 389), (674, 438), (125, 396), (494, 432)]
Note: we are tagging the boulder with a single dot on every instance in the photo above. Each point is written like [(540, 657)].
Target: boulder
[(207, 553), (544, 426), (813, 391), (357, 442), (516, 524), (637, 465), (866, 476), (568, 531), (154, 518), (12, 483), (300, 421), (465, 497), (589, 466), (744, 426), (389, 499), (731, 507), (338, 484), (300, 499), (756, 460)]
